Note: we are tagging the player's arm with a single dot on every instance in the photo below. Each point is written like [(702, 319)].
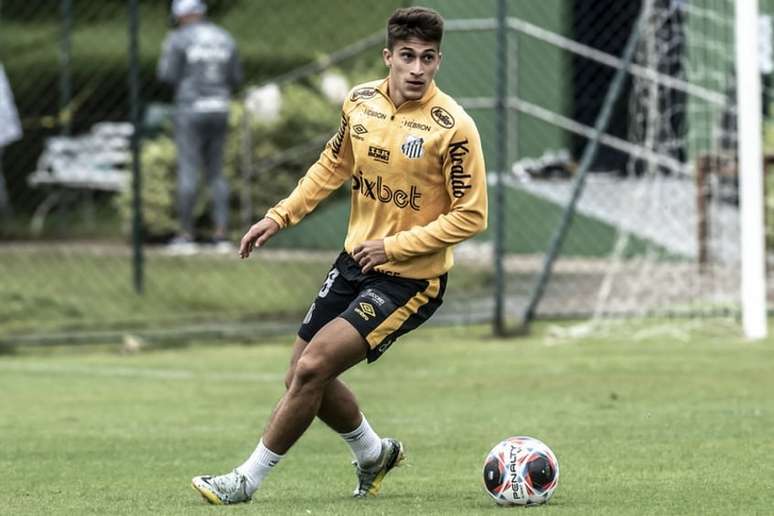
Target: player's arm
[(171, 61), (330, 171), (465, 176)]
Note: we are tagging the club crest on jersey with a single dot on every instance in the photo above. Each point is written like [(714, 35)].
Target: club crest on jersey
[(412, 147)]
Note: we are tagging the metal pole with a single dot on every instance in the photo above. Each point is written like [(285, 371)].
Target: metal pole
[(247, 166), (589, 153), (65, 71), (134, 113), (748, 99), (501, 124)]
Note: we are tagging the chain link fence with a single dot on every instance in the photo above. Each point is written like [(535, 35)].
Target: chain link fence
[(655, 228)]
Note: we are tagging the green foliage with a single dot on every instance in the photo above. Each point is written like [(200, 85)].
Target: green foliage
[(768, 182), (305, 118)]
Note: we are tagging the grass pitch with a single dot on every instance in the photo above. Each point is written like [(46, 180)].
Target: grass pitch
[(649, 418)]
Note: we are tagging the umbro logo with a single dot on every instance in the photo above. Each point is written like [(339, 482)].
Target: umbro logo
[(359, 129), (366, 311)]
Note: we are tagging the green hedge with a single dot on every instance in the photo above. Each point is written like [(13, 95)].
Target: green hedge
[(305, 117)]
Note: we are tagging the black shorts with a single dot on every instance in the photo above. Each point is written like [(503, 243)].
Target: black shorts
[(380, 307)]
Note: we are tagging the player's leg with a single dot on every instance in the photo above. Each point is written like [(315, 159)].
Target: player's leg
[(339, 410), (5, 202), (334, 349), (189, 162), (217, 124), (385, 309)]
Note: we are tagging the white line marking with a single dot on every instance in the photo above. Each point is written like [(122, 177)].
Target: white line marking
[(140, 372)]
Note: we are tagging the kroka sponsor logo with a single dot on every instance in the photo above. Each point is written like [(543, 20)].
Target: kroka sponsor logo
[(442, 117), (460, 181), (379, 191), (363, 93)]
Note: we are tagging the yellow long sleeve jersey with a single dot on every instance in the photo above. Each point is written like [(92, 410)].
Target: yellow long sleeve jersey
[(418, 178)]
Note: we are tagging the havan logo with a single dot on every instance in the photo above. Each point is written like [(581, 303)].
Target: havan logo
[(379, 191)]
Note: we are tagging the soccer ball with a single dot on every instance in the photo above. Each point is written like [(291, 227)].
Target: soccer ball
[(521, 471)]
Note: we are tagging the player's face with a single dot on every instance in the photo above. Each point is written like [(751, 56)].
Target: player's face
[(413, 64)]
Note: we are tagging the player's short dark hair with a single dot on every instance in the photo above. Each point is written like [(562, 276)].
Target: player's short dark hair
[(414, 22)]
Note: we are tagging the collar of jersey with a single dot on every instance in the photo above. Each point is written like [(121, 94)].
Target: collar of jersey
[(429, 94)]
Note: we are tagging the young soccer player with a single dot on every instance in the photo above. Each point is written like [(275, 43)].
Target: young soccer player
[(414, 160)]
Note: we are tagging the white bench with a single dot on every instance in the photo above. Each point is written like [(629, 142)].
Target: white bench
[(97, 161)]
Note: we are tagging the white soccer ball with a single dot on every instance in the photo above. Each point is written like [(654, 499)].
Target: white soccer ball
[(521, 470)]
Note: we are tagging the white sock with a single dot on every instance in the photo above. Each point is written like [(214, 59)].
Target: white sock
[(258, 465), (365, 444)]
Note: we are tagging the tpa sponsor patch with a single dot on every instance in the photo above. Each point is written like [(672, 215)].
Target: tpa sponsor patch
[(379, 154)]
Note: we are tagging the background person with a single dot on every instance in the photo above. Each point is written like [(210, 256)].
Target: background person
[(200, 60), (10, 131)]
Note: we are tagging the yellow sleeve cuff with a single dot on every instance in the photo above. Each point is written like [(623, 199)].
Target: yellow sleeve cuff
[(390, 248), (277, 217)]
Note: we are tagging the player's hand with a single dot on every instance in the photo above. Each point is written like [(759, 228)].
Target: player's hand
[(369, 254), (257, 235)]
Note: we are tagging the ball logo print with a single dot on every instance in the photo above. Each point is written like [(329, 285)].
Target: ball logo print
[(521, 470)]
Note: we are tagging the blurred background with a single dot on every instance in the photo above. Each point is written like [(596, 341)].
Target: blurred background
[(654, 231)]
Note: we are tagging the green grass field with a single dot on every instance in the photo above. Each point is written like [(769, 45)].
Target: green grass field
[(656, 418)]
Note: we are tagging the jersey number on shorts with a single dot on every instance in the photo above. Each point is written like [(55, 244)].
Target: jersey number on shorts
[(328, 283)]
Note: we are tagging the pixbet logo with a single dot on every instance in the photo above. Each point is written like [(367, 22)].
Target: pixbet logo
[(379, 191), (457, 151)]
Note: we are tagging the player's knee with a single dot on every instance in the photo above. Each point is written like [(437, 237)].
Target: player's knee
[(309, 371)]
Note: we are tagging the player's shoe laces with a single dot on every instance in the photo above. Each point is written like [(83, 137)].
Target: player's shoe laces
[(223, 489), (369, 481)]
